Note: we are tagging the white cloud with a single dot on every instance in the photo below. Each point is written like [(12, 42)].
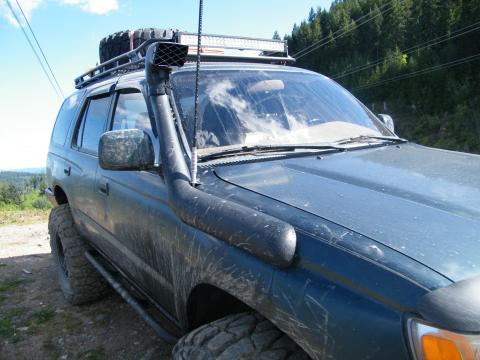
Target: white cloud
[(27, 5), (98, 7)]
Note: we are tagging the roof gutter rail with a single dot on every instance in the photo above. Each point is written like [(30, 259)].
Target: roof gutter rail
[(259, 234)]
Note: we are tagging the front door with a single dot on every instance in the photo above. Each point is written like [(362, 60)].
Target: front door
[(137, 213)]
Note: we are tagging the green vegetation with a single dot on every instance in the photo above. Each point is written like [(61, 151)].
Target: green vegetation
[(93, 354), (43, 316), (7, 328), (22, 198), (10, 284), (394, 56), (49, 347)]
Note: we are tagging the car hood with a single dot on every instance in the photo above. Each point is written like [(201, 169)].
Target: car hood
[(422, 202)]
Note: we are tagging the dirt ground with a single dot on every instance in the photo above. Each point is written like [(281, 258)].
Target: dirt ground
[(37, 323)]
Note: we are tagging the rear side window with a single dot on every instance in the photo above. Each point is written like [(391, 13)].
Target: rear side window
[(93, 124), (64, 119)]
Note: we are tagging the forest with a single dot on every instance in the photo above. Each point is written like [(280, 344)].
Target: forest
[(22, 197), (417, 60)]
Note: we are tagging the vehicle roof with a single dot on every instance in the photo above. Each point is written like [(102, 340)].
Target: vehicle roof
[(219, 66), (140, 73)]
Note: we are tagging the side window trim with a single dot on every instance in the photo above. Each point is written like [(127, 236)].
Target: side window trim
[(79, 124)]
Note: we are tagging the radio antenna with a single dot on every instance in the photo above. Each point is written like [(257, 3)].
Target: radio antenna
[(194, 155)]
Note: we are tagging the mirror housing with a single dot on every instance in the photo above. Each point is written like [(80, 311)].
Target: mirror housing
[(387, 121), (130, 149)]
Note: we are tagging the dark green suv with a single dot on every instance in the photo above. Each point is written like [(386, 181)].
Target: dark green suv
[(313, 230)]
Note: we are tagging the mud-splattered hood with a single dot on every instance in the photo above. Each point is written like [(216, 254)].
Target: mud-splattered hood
[(422, 202)]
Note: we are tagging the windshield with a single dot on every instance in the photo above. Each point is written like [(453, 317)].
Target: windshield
[(258, 107)]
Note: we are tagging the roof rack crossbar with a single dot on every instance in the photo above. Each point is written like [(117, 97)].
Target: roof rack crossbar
[(134, 58)]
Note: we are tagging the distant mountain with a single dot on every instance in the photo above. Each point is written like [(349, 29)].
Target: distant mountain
[(23, 180), (37, 170)]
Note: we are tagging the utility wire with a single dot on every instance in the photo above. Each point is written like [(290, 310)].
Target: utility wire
[(334, 34), (344, 30), (418, 47), (33, 49), (41, 51), (425, 71)]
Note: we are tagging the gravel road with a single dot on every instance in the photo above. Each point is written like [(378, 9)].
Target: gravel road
[(37, 323)]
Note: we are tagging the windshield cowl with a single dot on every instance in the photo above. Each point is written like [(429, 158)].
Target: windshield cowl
[(289, 150)]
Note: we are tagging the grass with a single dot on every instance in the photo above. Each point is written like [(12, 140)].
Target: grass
[(38, 320), (7, 329), (27, 216), (43, 316), (10, 284), (93, 354), (71, 324), (51, 348)]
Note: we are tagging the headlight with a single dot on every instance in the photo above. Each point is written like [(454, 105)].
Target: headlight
[(431, 343)]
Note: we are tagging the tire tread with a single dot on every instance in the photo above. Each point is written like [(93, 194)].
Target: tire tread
[(240, 336), (83, 283)]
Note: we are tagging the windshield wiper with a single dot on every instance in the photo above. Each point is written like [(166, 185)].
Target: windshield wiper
[(255, 149), (364, 138)]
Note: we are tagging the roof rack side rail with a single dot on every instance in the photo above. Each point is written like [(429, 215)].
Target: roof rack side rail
[(133, 57)]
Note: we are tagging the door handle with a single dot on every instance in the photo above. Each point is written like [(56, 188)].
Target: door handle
[(104, 188), (67, 171)]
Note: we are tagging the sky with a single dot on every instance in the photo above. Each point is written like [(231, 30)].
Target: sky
[(69, 32)]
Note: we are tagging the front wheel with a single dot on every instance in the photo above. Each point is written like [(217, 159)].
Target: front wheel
[(241, 336)]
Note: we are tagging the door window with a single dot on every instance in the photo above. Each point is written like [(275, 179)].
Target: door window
[(131, 112)]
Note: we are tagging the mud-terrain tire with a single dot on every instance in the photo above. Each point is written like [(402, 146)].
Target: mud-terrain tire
[(241, 336), (79, 281), (124, 41)]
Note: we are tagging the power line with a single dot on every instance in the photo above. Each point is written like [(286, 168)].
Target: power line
[(421, 46), (33, 49), (345, 29), (41, 51), (425, 71)]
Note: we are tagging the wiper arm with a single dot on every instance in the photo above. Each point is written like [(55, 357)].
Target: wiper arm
[(267, 148), (363, 138)]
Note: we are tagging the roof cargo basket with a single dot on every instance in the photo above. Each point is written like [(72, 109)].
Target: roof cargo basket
[(214, 48)]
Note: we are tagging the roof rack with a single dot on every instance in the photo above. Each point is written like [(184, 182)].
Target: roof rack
[(213, 49)]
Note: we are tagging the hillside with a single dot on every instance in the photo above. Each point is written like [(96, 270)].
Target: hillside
[(416, 60), (19, 178), (22, 198)]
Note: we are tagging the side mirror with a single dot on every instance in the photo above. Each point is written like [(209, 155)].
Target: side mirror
[(126, 150), (387, 121)]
